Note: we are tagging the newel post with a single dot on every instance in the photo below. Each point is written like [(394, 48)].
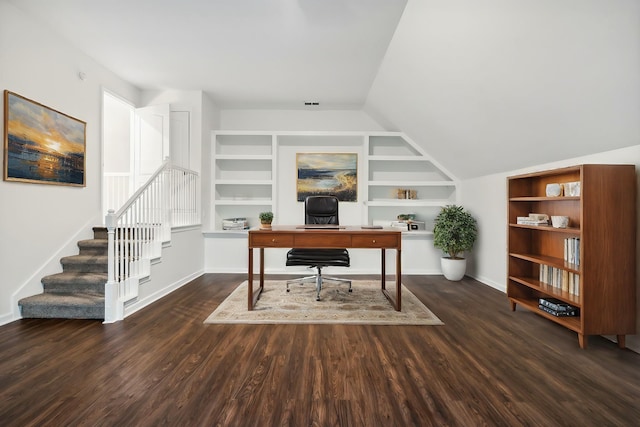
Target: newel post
[(113, 309)]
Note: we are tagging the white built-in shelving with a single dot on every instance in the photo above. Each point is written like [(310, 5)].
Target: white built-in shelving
[(242, 172), (245, 167), (395, 162)]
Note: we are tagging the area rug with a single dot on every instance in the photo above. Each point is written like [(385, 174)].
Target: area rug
[(365, 305)]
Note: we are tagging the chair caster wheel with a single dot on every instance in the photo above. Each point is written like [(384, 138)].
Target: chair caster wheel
[(318, 299), (288, 290), (350, 290)]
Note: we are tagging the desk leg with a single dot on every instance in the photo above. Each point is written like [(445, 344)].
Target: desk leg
[(250, 282), (261, 269), (396, 301), (251, 296), (398, 280), (383, 269)]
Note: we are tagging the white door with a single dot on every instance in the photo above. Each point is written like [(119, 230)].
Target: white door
[(180, 139), (152, 134)]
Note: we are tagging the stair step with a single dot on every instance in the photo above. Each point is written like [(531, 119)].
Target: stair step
[(85, 263), (100, 233), (63, 306), (75, 281), (93, 246)]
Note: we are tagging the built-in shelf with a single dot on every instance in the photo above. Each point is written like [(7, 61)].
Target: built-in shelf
[(245, 166), (395, 163)]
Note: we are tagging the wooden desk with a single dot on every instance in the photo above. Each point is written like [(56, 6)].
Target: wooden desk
[(345, 237)]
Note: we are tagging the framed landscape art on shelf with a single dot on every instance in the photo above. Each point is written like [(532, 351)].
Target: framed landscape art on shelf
[(327, 173)]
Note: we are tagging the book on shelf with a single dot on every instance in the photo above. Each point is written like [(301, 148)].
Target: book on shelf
[(533, 219), (524, 220), (235, 224), (572, 313), (572, 250), (560, 279), (556, 304)]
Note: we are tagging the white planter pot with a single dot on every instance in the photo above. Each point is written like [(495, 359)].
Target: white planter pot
[(453, 269)]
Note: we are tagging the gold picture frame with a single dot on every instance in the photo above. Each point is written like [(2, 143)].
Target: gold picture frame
[(42, 145)]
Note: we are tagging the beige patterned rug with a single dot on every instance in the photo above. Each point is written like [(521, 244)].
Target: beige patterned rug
[(365, 305)]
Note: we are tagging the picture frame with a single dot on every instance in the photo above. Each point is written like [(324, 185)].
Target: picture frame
[(327, 174), (42, 145)]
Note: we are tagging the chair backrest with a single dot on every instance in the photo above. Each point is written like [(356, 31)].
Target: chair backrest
[(321, 210)]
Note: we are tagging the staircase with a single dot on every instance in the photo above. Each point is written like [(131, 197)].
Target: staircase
[(77, 292)]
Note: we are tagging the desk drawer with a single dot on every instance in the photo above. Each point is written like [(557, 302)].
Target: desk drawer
[(322, 240), (270, 240), (375, 241)]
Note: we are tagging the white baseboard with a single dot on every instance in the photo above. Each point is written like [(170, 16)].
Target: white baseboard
[(7, 318)]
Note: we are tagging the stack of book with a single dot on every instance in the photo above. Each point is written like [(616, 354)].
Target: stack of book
[(533, 219), (557, 308), (235, 224)]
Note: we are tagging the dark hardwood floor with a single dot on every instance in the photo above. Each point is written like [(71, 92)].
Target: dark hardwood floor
[(163, 366)]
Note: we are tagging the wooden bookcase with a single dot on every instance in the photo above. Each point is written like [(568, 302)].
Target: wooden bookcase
[(603, 218)]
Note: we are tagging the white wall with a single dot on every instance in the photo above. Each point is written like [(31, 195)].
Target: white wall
[(41, 223), (486, 199), (298, 120), (117, 135), (210, 121)]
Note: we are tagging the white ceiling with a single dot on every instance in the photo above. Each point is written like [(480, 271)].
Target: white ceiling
[(484, 86), (243, 53), (488, 86)]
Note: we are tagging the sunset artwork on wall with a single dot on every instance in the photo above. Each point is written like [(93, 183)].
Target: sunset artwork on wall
[(42, 145), (327, 174)]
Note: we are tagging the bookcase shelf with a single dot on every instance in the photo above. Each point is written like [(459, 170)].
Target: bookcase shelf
[(603, 219)]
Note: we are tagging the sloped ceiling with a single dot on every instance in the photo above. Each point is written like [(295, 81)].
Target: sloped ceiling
[(243, 53), (495, 85), (483, 86)]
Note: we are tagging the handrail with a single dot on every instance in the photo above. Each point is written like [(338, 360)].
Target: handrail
[(143, 188), (137, 231)]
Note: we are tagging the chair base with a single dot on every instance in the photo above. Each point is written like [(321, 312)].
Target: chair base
[(318, 278)]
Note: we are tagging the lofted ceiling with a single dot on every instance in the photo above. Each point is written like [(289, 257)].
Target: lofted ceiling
[(243, 53), (484, 86)]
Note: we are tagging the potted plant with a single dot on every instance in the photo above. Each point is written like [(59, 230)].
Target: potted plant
[(455, 231), (266, 218)]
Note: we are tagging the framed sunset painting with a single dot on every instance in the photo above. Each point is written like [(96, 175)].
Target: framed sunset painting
[(327, 174), (42, 145)]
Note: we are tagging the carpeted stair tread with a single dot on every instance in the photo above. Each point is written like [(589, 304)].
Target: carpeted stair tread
[(100, 232), (75, 281), (86, 263), (83, 305), (93, 246)]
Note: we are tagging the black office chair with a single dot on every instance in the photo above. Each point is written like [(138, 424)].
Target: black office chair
[(319, 210)]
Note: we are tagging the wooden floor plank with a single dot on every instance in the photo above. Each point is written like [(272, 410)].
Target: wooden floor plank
[(164, 366)]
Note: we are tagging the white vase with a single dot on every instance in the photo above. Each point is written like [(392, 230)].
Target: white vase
[(453, 269)]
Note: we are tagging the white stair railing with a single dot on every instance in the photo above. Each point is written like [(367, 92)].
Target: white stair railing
[(138, 229)]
